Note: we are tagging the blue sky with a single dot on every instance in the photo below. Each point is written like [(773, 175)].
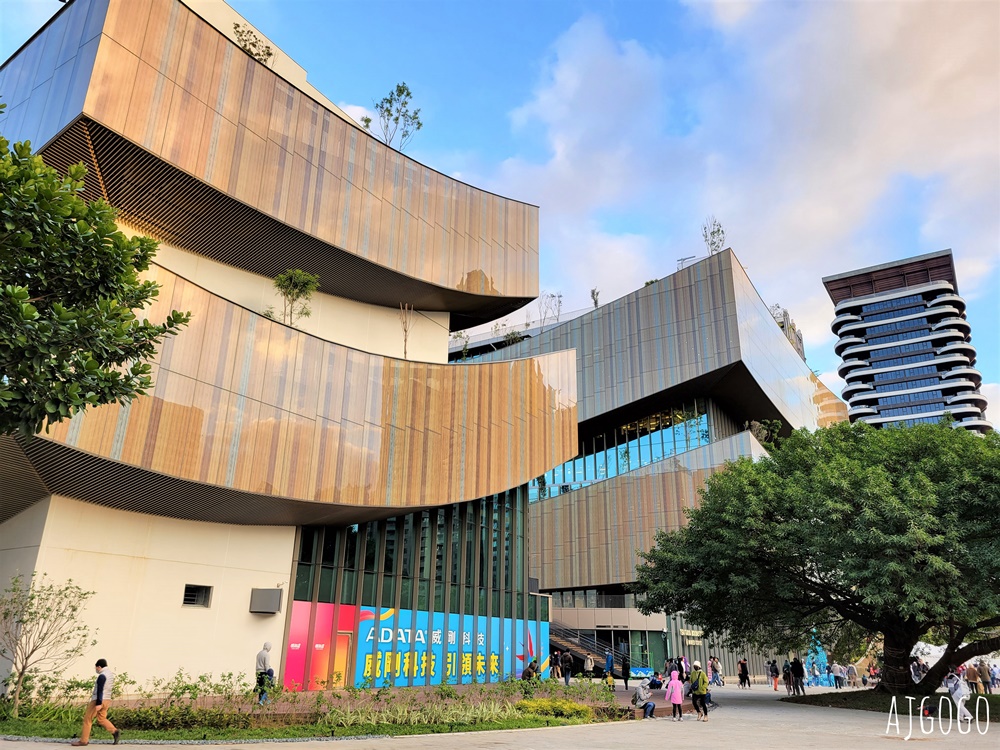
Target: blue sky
[(825, 136)]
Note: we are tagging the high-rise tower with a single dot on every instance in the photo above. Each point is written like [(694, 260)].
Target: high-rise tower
[(906, 346)]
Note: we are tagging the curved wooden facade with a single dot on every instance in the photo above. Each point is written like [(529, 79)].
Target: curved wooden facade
[(246, 403), (182, 124)]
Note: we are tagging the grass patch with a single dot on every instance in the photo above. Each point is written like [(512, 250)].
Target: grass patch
[(27, 728), (870, 700)]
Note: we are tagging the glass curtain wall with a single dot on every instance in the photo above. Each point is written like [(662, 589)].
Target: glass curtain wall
[(653, 438), (468, 559)]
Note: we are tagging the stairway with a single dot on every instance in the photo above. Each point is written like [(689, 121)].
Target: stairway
[(565, 639)]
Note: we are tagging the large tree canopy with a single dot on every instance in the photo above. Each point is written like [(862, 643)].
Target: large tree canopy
[(69, 292), (845, 533)]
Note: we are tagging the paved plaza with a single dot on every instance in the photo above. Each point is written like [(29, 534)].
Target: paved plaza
[(746, 720)]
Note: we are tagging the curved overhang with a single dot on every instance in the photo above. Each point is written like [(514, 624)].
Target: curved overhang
[(954, 322), (979, 425), (949, 299), (970, 397), (250, 421), (851, 364), (853, 389), (966, 373), (197, 143), (846, 341), (842, 320)]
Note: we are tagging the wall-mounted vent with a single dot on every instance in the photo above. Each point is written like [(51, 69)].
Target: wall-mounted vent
[(265, 601), (197, 596)]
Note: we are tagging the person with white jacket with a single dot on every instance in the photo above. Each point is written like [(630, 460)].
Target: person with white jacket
[(959, 694)]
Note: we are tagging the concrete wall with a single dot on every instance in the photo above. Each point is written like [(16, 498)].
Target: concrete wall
[(369, 328), (20, 539), (138, 566)]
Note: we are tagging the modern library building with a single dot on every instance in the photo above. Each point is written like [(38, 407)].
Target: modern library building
[(338, 489), (670, 380)]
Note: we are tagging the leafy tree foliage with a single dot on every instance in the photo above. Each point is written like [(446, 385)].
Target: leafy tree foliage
[(713, 235), (69, 292), (395, 118), (848, 533), (296, 288), (40, 629), (252, 44)]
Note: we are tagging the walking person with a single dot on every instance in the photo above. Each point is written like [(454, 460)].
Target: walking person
[(588, 666), (744, 672), (100, 700), (609, 664), (972, 677), (265, 674), (675, 696), (566, 666), (555, 669), (959, 694), (699, 688), (773, 670), (626, 668), (852, 675), (798, 676), (786, 675), (984, 677)]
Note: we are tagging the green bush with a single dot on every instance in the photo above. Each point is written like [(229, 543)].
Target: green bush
[(179, 717), (561, 707)]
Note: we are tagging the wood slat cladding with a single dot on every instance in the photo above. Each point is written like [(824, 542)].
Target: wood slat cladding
[(885, 278), (191, 98), (244, 403), (592, 537), (172, 206)]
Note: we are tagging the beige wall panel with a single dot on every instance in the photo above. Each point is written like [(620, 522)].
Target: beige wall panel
[(146, 561), (20, 540)]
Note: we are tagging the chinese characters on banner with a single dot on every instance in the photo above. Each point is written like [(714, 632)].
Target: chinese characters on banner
[(397, 646)]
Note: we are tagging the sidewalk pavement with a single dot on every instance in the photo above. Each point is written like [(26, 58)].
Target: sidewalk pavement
[(746, 719)]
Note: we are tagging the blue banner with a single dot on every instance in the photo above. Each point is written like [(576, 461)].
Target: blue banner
[(395, 646)]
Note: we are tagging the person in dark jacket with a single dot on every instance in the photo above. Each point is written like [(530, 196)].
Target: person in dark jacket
[(567, 665), (798, 677), (626, 668), (97, 709)]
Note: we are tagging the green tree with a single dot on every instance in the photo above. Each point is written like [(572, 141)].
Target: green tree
[(848, 533), (69, 333), (40, 629), (252, 44), (395, 118), (713, 235), (594, 295), (296, 288)]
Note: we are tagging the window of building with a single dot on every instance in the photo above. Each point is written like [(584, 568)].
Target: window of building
[(197, 596), (906, 384), (892, 303)]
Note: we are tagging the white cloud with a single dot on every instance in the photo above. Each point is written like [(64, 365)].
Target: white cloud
[(356, 112), (824, 109), (992, 393), (838, 109)]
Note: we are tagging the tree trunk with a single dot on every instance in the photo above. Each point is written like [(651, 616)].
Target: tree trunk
[(896, 649), (15, 710)]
